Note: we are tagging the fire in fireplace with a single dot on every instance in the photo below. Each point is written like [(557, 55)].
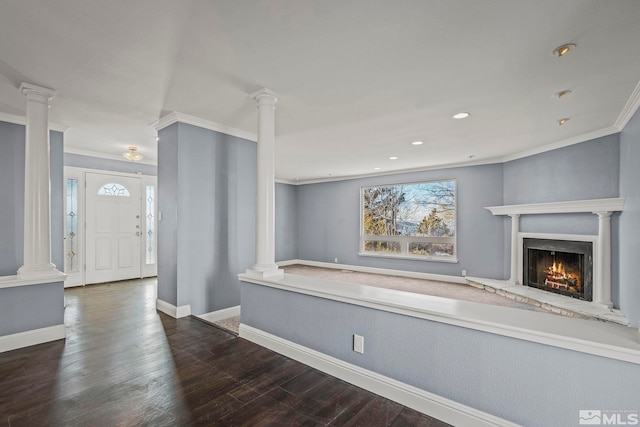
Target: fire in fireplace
[(560, 266)]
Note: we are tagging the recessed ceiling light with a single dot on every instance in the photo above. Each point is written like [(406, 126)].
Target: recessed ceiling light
[(563, 94), (417, 143), (376, 169), (561, 51), (461, 116), (563, 121), (393, 158)]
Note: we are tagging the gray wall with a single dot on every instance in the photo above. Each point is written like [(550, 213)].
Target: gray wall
[(168, 209), (286, 227), (12, 193), (212, 186), (629, 232), (329, 222), (27, 307), (527, 383), (123, 166)]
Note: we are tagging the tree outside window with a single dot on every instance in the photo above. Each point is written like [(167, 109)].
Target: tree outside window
[(412, 220)]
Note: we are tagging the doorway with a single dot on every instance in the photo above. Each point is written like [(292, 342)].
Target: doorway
[(110, 225)]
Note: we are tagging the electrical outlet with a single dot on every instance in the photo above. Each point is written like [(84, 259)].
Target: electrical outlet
[(358, 344), (464, 273)]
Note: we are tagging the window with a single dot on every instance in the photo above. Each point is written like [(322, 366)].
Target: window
[(113, 189), (71, 229), (416, 221), (150, 240)]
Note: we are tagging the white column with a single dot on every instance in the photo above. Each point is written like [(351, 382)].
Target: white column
[(265, 202), (37, 215), (602, 282), (515, 229)]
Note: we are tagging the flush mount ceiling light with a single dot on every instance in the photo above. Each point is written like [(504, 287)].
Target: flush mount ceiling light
[(563, 94), (376, 169), (417, 143), (461, 116), (132, 154), (561, 51), (393, 158), (563, 121)]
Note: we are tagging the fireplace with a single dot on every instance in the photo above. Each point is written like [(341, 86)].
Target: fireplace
[(560, 266)]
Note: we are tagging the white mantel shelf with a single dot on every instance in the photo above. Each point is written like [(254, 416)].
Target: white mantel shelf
[(574, 206)]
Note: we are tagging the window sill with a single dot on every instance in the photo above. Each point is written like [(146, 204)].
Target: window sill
[(452, 260)]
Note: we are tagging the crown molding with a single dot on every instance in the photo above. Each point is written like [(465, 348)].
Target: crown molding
[(629, 109), (175, 117), (107, 156), (563, 143), (478, 162), (21, 120)]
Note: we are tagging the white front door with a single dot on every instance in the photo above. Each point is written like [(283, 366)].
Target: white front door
[(113, 228)]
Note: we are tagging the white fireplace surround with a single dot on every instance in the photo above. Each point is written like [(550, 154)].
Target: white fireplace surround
[(603, 208)]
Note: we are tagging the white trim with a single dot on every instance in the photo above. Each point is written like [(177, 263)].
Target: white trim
[(452, 260), (172, 310), (217, 315), (17, 280), (22, 120), (174, 117), (375, 270), (573, 206), (428, 403), (629, 109), (107, 156), (32, 337), (610, 130), (586, 336)]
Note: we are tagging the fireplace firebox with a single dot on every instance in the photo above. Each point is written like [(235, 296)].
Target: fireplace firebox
[(560, 266)]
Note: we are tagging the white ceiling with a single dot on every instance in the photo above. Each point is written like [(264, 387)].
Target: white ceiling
[(358, 80)]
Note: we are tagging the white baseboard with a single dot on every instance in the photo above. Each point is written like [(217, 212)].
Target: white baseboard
[(217, 315), (374, 270), (33, 337), (172, 310), (428, 403)]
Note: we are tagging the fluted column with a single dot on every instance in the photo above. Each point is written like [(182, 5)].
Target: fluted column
[(602, 284), (265, 201), (37, 213), (515, 229)]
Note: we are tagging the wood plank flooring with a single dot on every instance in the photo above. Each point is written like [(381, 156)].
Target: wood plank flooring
[(124, 364)]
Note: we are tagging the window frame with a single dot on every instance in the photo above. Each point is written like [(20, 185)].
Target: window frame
[(405, 240)]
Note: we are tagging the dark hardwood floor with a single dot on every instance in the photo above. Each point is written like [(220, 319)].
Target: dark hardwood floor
[(125, 364)]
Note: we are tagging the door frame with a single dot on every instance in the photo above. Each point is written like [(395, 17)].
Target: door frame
[(72, 172)]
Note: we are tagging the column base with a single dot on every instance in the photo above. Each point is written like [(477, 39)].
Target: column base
[(264, 272), (45, 270), (603, 304)]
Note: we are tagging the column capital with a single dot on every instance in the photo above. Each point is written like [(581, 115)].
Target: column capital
[(604, 214), (37, 93), (264, 96)]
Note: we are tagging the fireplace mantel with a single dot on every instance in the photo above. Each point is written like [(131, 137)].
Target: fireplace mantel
[(603, 208), (574, 206)]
